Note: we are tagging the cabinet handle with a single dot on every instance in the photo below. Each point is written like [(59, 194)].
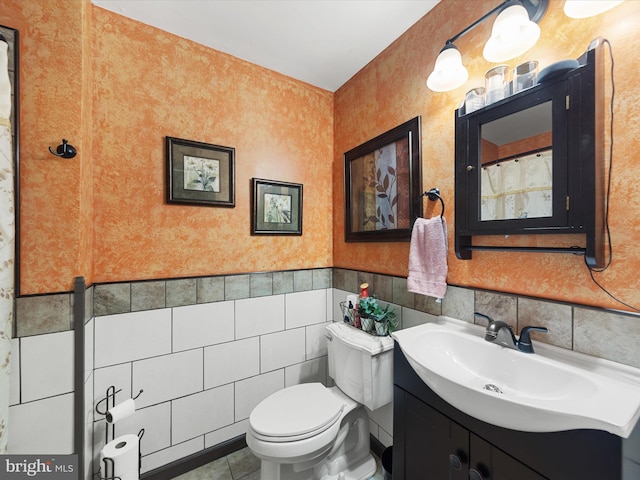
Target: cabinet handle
[(455, 462), (469, 168), (475, 475)]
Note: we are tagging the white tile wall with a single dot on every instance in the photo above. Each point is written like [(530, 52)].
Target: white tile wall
[(229, 362), (383, 416), (87, 467), (306, 308), (226, 433), (88, 349), (257, 316), (201, 413), (171, 454), (203, 368), (42, 427), (306, 372), (253, 390), (14, 385), (132, 336), (46, 365), (167, 377), (201, 325), (316, 342), (280, 349)]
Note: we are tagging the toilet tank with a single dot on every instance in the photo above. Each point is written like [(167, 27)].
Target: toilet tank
[(361, 364)]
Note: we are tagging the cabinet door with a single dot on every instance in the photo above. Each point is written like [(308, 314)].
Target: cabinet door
[(435, 447), (491, 463)]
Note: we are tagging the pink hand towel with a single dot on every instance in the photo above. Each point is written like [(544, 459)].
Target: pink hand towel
[(428, 257)]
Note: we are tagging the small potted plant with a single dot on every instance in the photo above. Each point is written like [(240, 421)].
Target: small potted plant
[(373, 315), (367, 307)]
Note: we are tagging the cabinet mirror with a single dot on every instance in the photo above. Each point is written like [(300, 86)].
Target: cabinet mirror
[(532, 164)]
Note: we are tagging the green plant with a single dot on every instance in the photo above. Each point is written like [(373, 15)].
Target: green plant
[(369, 307)]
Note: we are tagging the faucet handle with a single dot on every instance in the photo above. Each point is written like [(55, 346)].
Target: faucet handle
[(524, 343), (482, 315)]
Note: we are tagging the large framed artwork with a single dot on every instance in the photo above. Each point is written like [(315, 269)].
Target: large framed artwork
[(200, 173), (382, 186), (276, 208)]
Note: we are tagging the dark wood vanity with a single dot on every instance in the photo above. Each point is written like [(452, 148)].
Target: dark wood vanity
[(435, 441)]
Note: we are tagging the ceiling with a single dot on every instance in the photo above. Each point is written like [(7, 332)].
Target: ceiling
[(321, 42)]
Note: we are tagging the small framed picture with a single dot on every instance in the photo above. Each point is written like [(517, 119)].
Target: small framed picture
[(276, 208), (200, 173)]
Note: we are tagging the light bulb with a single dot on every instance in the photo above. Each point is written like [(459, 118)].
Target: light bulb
[(512, 35), (448, 72)]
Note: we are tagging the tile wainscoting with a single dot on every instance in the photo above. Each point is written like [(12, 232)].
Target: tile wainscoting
[(206, 350)]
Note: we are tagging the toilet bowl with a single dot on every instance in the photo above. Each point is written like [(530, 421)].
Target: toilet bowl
[(311, 432)]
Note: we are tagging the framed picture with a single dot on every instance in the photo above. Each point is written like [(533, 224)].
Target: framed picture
[(276, 208), (383, 184), (200, 173)]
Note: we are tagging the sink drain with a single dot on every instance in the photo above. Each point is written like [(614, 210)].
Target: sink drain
[(492, 388)]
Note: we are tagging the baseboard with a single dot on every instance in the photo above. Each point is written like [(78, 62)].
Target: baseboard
[(376, 446), (186, 464)]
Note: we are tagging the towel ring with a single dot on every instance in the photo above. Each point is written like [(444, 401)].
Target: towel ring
[(433, 195)]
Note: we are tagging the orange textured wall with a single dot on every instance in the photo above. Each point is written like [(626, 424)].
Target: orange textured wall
[(115, 88), (52, 238), (149, 84), (392, 89)]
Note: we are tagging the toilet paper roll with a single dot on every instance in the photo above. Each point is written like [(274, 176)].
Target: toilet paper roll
[(122, 410), (125, 452)]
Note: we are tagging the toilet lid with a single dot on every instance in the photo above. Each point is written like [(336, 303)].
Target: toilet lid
[(296, 411)]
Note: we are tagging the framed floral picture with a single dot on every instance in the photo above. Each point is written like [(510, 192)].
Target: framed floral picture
[(382, 186), (200, 173), (276, 208)]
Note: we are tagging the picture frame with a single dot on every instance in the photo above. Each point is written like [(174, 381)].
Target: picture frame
[(200, 173), (383, 186), (276, 207)]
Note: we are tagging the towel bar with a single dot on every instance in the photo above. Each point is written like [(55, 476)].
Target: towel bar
[(433, 195)]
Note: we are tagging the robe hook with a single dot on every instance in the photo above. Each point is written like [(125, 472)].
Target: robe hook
[(65, 150)]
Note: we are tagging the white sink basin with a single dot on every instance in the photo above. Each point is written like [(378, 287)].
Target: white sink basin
[(551, 390)]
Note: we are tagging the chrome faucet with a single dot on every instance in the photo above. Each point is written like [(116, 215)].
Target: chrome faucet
[(501, 333)]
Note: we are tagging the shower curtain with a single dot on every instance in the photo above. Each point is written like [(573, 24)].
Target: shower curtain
[(518, 188), (7, 242)]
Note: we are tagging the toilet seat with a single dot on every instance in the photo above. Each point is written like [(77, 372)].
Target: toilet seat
[(296, 413)]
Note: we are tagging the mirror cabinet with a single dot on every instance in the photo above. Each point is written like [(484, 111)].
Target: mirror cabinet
[(532, 163)]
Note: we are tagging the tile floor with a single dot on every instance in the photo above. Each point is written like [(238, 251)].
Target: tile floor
[(240, 465)]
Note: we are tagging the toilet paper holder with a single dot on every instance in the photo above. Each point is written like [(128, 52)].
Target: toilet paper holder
[(109, 466), (109, 402)]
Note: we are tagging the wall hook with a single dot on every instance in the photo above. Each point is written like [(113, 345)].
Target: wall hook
[(65, 150)]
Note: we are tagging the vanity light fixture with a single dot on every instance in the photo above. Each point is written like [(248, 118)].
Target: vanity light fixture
[(448, 73), (514, 32), (588, 8)]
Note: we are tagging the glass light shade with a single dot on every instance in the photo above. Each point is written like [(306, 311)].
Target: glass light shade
[(588, 8), (512, 35), (448, 73)]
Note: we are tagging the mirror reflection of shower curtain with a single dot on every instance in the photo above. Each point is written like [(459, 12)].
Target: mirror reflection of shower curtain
[(7, 243), (518, 188)]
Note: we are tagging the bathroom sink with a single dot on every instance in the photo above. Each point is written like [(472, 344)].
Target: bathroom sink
[(551, 390)]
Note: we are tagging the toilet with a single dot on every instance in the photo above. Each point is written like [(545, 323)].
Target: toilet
[(312, 432)]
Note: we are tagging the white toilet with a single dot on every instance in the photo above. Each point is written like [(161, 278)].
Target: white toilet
[(311, 432)]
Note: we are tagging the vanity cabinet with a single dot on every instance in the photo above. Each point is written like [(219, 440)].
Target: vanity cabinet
[(435, 441), (439, 448)]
